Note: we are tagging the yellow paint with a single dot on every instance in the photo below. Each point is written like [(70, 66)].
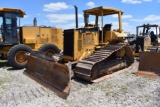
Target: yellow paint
[(136, 54), (22, 13), (42, 35), (35, 37), (85, 42)]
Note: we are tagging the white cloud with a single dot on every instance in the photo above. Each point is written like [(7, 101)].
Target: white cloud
[(135, 1), (115, 16), (132, 1), (26, 16), (157, 23), (148, 18), (147, 0), (136, 20), (90, 4), (123, 16), (152, 18), (125, 25), (61, 18), (52, 7), (126, 16), (128, 28), (69, 25)]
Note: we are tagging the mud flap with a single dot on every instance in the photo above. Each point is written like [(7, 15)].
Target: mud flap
[(149, 64), (55, 76)]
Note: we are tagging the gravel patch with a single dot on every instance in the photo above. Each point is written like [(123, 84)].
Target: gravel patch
[(123, 90)]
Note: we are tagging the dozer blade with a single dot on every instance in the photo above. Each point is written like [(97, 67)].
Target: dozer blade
[(43, 69), (149, 64)]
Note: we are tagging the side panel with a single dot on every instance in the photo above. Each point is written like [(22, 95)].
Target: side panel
[(57, 37), (113, 35), (38, 36), (96, 38), (44, 35), (50, 35), (142, 43), (79, 43), (28, 35), (107, 36), (84, 44), (147, 43), (29, 32)]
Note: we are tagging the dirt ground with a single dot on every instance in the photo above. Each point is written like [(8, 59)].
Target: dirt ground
[(123, 90)]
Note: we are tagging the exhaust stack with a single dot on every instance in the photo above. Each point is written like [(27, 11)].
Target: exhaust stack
[(35, 22), (76, 15)]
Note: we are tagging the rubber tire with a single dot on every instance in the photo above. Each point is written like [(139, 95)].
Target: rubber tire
[(47, 46), (12, 52)]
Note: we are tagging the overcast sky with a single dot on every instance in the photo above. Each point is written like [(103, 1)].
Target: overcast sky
[(60, 13)]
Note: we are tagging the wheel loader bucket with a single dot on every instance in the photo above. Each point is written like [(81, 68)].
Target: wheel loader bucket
[(43, 68), (149, 64)]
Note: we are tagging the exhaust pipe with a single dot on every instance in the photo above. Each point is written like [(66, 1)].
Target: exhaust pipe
[(35, 22), (76, 15)]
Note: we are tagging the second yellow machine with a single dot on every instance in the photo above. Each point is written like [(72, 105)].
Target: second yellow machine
[(16, 40)]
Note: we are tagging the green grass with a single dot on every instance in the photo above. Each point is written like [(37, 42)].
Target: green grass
[(1, 81), (108, 93), (5, 80), (122, 90), (3, 61)]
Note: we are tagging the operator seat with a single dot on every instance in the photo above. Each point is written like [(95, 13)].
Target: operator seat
[(107, 27), (153, 37)]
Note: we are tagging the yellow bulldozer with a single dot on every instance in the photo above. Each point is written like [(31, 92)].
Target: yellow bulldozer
[(16, 40), (91, 53), (147, 38), (148, 50)]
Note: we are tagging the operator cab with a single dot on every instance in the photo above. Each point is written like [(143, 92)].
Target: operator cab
[(106, 32), (147, 35), (149, 30), (8, 25)]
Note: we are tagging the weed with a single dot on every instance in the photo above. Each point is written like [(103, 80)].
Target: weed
[(124, 90), (108, 93)]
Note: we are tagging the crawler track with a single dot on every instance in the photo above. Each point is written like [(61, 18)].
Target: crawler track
[(153, 48), (103, 62)]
